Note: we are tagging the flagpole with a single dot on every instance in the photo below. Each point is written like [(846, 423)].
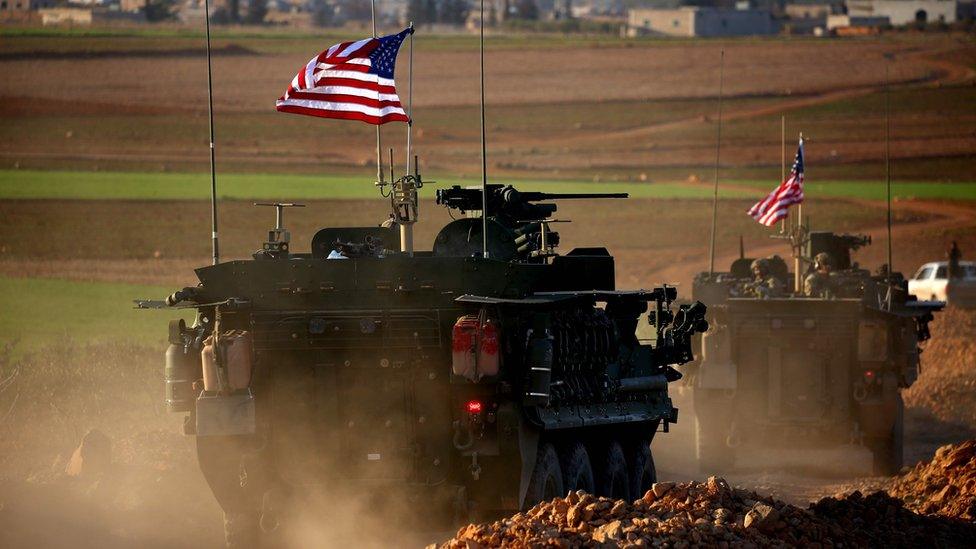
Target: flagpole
[(379, 145), (799, 235), (410, 100), (782, 170), (718, 151), (484, 154), (888, 162), (213, 150)]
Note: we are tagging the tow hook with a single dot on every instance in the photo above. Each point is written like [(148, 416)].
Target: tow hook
[(458, 433), (475, 468), (860, 392)]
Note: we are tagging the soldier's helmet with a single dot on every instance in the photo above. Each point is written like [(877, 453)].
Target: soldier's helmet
[(823, 261), (760, 267)]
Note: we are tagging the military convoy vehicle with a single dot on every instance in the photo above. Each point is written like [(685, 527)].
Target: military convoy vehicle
[(792, 371), (479, 381)]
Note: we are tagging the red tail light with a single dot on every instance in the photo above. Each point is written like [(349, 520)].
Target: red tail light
[(474, 406)]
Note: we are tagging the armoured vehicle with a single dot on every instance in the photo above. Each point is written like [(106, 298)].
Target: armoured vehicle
[(480, 381), (791, 371)]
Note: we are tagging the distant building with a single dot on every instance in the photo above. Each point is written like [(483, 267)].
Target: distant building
[(904, 12), (65, 16), (844, 24), (11, 9), (700, 21)]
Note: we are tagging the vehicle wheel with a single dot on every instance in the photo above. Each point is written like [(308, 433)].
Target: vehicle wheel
[(642, 471), (577, 471), (547, 477), (888, 452), (612, 474)]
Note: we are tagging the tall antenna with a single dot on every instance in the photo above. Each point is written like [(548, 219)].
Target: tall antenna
[(484, 154), (213, 153), (888, 161), (379, 144), (409, 101), (718, 151)]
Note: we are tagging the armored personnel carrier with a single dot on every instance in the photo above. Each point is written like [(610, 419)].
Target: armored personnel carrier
[(784, 370), (488, 373)]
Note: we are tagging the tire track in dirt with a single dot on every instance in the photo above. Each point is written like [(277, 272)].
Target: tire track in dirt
[(944, 73)]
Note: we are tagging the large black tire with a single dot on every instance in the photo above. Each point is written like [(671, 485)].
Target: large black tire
[(577, 471), (612, 473), (642, 471), (547, 477), (888, 455), (711, 431)]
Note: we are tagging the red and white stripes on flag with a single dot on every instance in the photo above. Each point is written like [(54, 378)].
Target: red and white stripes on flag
[(776, 205), (350, 81)]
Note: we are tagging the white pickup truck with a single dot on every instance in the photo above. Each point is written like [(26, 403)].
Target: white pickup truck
[(932, 282)]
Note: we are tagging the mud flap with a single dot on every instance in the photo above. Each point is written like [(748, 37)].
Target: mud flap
[(225, 415)]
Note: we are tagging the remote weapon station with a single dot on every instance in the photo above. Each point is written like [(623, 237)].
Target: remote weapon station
[(487, 373)]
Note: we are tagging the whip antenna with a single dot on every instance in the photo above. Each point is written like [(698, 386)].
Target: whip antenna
[(484, 154), (718, 150), (379, 144), (888, 162), (213, 163)]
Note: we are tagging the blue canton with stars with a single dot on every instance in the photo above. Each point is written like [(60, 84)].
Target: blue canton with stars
[(383, 58), (798, 161)]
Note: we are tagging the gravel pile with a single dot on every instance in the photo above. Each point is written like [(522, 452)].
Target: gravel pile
[(946, 385), (946, 485), (713, 514)]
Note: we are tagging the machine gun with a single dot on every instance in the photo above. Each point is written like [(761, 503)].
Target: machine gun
[(518, 227), (837, 246), (504, 201)]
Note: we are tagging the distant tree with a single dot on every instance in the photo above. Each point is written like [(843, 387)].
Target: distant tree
[(417, 12), (234, 10), (430, 11), (492, 15), (256, 11), (160, 10), (453, 12), (323, 14), (354, 10), (526, 9)]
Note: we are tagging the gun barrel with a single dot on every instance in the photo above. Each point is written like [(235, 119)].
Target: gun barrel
[(532, 197)]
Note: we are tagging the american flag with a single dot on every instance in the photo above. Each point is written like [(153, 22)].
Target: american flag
[(775, 206), (351, 81)]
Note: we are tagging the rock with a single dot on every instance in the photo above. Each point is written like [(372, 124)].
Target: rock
[(92, 457), (649, 497), (610, 531), (618, 508), (661, 488)]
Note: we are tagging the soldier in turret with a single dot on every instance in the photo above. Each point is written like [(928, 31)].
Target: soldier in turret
[(818, 283), (764, 284)]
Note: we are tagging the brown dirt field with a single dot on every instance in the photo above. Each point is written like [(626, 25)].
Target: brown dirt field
[(148, 113), (445, 78), (159, 242)]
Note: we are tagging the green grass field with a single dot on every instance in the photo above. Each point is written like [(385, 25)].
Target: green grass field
[(41, 311), (22, 184), (25, 184)]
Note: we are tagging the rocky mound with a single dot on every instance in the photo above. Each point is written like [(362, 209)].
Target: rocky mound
[(716, 515), (946, 485), (946, 385)]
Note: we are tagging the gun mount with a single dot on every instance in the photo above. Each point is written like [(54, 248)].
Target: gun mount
[(517, 226)]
